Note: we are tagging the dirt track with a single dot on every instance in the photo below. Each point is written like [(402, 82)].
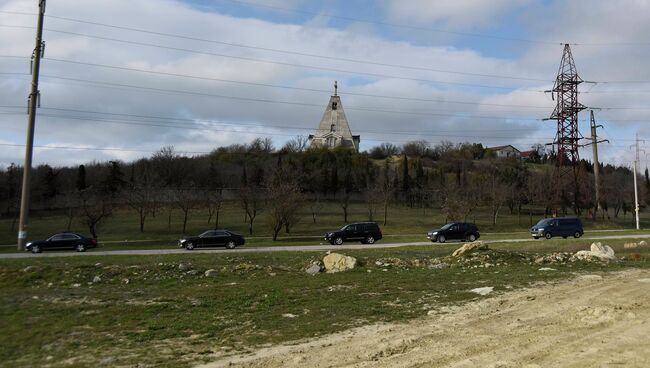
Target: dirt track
[(591, 321)]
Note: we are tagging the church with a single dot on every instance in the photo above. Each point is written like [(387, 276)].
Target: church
[(334, 130)]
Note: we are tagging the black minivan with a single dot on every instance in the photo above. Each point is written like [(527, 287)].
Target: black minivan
[(366, 232), (559, 226)]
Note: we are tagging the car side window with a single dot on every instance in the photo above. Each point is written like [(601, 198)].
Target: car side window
[(70, 237), (454, 228), (219, 233), (56, 237), (351, 228)]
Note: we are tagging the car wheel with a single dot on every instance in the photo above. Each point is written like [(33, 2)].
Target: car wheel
[(577, 235), (338, 241), (472, 237), (441, 239), (548, 235), (80, 248), (370, 240), (35, 249), (230, 245), (189, 246)]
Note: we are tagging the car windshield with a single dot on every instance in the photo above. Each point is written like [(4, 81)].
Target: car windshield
[(544, 222), (345, 227), (207, 233), (446, 227)]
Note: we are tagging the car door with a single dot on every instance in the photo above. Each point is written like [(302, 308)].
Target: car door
[(350, 232), (69, 240), (221, 238), (55, 242), (209, 239), (454, 232)]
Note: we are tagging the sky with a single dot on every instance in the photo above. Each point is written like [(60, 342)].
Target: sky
[(121, 79)]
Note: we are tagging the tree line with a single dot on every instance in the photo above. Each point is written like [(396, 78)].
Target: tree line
[(293, 181)]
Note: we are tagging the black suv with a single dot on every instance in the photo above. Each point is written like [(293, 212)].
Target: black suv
[(454, 231), (213, 238), (74, 241), (559, 226), (366, 232)]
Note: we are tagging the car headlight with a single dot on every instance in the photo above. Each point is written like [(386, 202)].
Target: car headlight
[(540, 229), (28, 244), (434, 233)]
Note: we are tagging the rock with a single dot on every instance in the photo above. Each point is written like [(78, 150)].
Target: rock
[(439, 266), (97, 279), (126, 281), (192, 272), (630, 245), (591, 277), (335, 262), (483, 290), (547, 269), (29, 268), (314, 269), (598, 252), (211, 273), (469, 247), (643, 243), (289, 315), (183, 267), (644, 280), (76, 285)]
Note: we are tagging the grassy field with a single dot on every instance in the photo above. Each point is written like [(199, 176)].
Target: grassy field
[(409, 223), (151, 311)]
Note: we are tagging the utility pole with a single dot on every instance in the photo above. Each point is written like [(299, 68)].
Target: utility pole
[(594, 143), (33, 101), (636, 190)]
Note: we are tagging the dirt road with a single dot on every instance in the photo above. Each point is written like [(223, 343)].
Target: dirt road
[(590, 321)]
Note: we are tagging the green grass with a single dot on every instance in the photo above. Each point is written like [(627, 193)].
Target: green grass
[(409, 223), (51, 313)]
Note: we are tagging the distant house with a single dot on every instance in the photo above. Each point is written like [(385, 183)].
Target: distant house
[(505, 151), (526, 155)]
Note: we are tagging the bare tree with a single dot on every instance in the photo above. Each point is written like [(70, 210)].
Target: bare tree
[(96, 208), (315, 205), (285, 202), (296, 144), (251, 200), (186, 202), (140, 199), (386, 187), (214, 202)]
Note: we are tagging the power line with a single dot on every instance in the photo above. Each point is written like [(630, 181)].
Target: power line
[(290, 52), (198, 125)]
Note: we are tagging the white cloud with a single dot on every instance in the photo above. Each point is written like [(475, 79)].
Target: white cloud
[(437, 119), (456, 14)]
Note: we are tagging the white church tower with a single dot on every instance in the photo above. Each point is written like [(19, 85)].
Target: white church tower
[(334, 130)]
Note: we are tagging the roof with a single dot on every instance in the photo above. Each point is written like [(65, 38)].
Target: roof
[(502, 147)]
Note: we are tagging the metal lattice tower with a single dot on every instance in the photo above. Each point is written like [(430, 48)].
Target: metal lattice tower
[(565, 92)]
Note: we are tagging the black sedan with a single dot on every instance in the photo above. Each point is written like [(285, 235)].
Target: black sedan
[(454, 231), (74, 241), (212, 238)]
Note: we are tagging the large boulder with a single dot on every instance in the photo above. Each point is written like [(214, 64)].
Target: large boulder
[(598, 252), (335, 262), (469, 247)]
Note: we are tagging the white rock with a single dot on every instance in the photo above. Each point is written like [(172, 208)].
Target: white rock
[(643, 243), (335, 262), (97, 279), (289, 315), (211, 273), (483, 290), (644, 280), (313, 269), (469, 247), (547, 269)]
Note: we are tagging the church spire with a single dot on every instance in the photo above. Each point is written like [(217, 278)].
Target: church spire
[(336, 87)]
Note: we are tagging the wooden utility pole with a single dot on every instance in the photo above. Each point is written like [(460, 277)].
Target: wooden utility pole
[(32, 104)]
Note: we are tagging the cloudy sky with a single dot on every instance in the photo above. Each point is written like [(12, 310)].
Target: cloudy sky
[(122, 78)]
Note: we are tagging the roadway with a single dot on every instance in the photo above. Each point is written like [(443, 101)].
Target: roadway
[(280, 248)]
